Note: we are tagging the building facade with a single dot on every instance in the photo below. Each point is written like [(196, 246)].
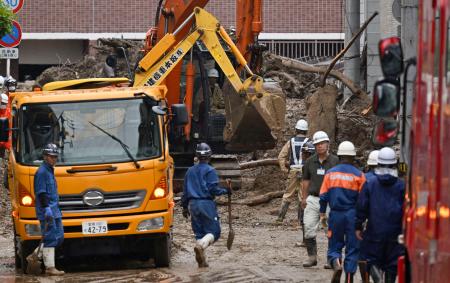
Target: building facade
[(60, 31)]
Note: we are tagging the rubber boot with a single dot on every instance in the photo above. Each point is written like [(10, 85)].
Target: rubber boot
[(389, 277), (283, 211), (302, 226), (362, 264), (348, 278), (311, 247), (200, 248), (336, 264), (49, 262)]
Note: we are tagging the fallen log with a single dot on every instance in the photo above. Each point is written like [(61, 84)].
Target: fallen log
[(258, 163), (349, 44), (264, 198), (253, 201), (295, 64)]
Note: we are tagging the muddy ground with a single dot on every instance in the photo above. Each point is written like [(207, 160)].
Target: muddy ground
[(262, 251)]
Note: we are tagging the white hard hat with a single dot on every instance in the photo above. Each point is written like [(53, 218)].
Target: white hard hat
[(386, 156), (373, 158), (346, 148), (320, 136), (301, 125), (213, 73)]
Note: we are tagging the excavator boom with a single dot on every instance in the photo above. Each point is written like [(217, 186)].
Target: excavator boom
[(254, 115)]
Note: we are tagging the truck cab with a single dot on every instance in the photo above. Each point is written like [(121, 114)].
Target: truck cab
[(114, 173)]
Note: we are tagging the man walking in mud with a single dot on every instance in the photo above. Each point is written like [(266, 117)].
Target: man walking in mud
[(313, 172), (201, 185), (47, 208), (291, 162), (340, 189)]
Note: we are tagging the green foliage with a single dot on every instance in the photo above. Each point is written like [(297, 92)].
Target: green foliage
[(6, 18)]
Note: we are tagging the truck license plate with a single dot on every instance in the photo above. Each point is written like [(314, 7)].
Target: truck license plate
[(95, 227)]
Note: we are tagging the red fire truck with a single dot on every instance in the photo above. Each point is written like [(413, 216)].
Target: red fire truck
[(427, 206)]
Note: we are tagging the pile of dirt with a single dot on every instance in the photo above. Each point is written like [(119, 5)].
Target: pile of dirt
[(94, 65)]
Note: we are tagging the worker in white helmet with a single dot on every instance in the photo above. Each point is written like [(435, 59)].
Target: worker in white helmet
[(340, 189), (291, 162), (380, 203), (216, 101), (313, 172)]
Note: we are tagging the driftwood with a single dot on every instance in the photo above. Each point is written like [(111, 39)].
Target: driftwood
[(295, 64), (264, 198), (253, 201), (322, 111), (343, 51), (258, 163)]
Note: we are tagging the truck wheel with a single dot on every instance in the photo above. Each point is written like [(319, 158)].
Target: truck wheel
[(161, 248), (17, 258), (25, 249)]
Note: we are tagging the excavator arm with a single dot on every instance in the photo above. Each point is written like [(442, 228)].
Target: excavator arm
[(250, 100)]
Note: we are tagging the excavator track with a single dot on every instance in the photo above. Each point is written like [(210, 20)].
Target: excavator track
[(226, 165)]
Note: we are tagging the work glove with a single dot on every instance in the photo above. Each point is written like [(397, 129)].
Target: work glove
[(186, 213), (48, 213)]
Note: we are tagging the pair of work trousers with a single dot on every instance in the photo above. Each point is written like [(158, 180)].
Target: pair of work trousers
[(341, 232), (294, 187), (53, 232), (384, 253), (204, 218), (311, 217)]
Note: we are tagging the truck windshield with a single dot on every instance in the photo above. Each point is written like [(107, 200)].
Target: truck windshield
[(69, 125)]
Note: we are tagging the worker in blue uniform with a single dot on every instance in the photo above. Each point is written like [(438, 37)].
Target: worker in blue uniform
[(340, 189), (371, 164), (201, 185), (381, 204), (47, 208)]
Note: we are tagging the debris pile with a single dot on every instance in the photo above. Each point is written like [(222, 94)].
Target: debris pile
[(94, 65)]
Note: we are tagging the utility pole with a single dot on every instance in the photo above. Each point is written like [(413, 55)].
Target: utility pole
[(352, 61), (409, 30)]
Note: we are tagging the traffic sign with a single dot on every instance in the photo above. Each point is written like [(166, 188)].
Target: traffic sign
[(15, 5), (9, 53), (13, 39)]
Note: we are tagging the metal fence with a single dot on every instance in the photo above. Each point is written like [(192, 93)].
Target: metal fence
[(297, 49)]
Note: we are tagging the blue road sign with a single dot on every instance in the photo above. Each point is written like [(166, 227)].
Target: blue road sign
[(13, 39)]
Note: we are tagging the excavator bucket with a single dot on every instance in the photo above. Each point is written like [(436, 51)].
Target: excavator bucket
[(255, 118)]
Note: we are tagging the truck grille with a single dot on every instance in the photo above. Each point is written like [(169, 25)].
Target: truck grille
[(112, 201)]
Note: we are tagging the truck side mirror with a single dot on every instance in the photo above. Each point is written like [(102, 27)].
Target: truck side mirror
[(180, 115), (4, 129), (385, 132), (386, 98), (391, 56)]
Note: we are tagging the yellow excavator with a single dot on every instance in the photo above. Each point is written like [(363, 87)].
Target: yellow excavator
[(254, 111)]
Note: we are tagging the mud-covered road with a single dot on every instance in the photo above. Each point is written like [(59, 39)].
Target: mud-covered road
[(262, 252)]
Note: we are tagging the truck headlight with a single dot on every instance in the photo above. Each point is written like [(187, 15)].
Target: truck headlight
[(33, 230), (151, 224)]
